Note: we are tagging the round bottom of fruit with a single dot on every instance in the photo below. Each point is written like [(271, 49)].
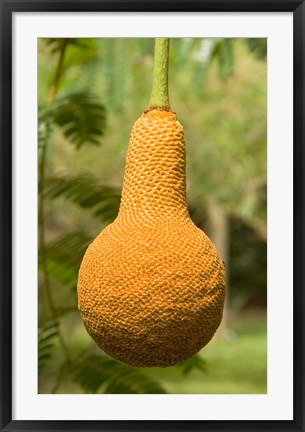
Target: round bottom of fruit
[(151, 298)]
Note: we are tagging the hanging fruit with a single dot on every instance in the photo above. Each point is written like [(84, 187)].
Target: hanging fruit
[(151, 286)]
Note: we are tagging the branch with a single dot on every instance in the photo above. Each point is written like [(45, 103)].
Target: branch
[(159, 96)]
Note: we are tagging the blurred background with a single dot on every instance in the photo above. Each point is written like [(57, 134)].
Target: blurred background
[(90, 92)]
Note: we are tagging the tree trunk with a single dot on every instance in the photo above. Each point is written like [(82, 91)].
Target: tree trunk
[(218, 231)]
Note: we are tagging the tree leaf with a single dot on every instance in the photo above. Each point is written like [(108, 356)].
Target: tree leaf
[(195, 362), (87, 192), (47, 334), (64, 257), (258, 46), (225, 57), (80, 115), (95, 372), (55, 44)]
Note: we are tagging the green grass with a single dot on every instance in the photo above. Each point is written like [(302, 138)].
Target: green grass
[(236, 365)]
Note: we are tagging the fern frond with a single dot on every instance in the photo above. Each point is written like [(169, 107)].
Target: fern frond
[(224, 52), (65, 256), (55, 44), (195, 362), (258, 46), (87, 192), (102, 372), (80, 115), (47, 334)]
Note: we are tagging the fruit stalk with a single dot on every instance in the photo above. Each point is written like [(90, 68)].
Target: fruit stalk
[(159, 96)]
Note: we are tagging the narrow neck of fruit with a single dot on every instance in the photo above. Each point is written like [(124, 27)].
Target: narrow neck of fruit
[(154, 181), (159, 96)]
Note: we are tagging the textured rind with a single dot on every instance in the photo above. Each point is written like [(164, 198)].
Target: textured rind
[(151, 286)]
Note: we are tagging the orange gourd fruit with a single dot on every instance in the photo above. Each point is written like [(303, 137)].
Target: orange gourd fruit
[(151, 286)]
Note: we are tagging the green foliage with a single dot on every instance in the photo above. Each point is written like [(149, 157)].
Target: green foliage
[(64, 257), (41, 133), (87, 192), (251, 250), (237, 365), (47, 335), (227, 162), (101, 372), (224, 52), (226, 141), (56, 44), (258, 46), (195, 362), (200, 56), (80, 115)]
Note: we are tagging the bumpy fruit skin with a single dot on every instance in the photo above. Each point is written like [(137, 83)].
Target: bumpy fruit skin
[(151, 286)]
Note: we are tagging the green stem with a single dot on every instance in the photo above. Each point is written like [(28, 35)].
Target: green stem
[(58, 72), (159, 96), (41, 225)]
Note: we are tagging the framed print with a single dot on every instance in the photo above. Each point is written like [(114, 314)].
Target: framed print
[(158, 284)]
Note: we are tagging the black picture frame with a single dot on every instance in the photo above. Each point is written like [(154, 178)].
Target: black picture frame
[(7, 9)]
